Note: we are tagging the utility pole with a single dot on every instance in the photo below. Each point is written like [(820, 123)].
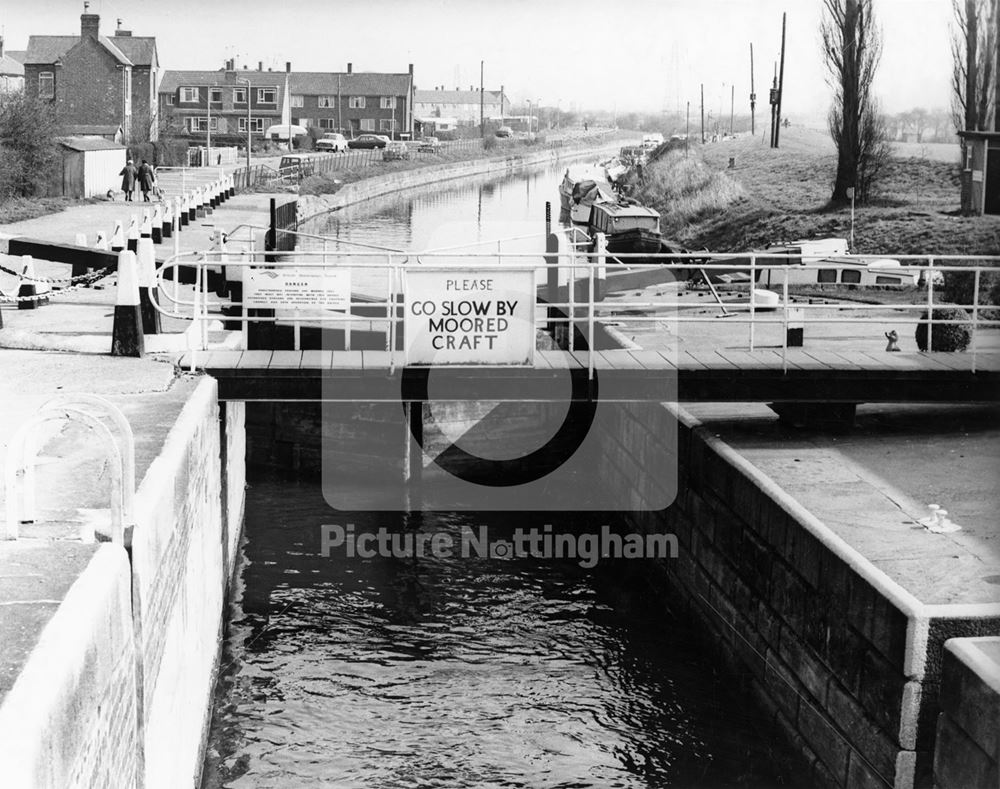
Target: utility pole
[(753, 96), (781, 84), (482, 105), (773, 98), (687, 129), (732, 101), (702, 113)]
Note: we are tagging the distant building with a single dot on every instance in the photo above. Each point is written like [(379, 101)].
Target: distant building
[(97, 84), (354, 102), (463, 105), (11, 70)]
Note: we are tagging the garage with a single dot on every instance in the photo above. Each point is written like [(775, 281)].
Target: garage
[(90, 167)]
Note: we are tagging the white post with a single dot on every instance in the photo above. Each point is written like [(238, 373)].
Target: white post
[(753, 299)]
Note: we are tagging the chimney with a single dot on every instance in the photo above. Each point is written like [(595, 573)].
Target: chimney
[(288, 67), (260, 65), (89, 25), (411, 69), (350, 68), (119, 31)]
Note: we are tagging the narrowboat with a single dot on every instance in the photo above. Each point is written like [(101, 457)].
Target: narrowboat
[(580, 189), (629, 228)]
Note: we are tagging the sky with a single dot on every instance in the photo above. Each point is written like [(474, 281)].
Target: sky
[(646, 55)]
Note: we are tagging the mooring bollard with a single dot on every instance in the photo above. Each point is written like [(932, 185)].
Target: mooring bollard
[(185, 212), (193, 206), (147, 280), (222, 285), (126, 333), (199, 203), (30, 293), (102, 241), (132, 241), (117, 238), (166, 226), (81, 239), (208, 202), (795, 336), (157, 229)]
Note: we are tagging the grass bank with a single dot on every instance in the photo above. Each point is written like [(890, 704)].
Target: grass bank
[(771, 196), (18, 209)]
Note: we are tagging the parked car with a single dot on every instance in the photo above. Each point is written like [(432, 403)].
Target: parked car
[(429, 145), (505, 131), (369, 141), (332, 141), (395, 151)]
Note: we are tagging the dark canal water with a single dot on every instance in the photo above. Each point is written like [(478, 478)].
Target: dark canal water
[(460, 672)]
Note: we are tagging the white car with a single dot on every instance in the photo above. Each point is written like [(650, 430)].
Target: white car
[(332, 141)]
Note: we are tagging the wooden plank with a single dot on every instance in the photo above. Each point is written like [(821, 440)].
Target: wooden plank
[(831, 359), (669, 358), (773, 359), (621, 359), (558, 360), (286, 360), (958, 361), (803, 361), (710, 360), (377, 361), (987, 362), (347, 360), (901, 362), (218, 360), (862, 360), (685, 361), (583, 359), (541, 363), (744, 360), (650, 360), (317, 360), (255, 360)]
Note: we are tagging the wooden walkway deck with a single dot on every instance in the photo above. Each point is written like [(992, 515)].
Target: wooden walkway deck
[(711, 376)]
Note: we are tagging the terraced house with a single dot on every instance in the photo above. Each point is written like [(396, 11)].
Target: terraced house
[(99, 85), (192, 103)]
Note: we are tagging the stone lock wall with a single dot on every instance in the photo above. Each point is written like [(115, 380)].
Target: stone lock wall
[(847, 662)]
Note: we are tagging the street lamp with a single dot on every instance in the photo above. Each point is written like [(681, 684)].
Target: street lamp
[(247, 81)]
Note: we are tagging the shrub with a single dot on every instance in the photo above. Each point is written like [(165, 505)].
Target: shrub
[(960, 285), (27, 139), (489, 143), (945, 336)]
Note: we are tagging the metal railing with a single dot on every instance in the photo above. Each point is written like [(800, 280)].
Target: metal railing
[(581, 275)]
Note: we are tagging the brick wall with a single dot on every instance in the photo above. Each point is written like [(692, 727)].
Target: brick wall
[(847, 663), (89, 86)]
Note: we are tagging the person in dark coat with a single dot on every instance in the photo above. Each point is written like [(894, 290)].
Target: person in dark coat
[(146, 179), (128, 175)]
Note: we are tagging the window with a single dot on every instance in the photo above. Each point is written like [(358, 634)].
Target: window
[(388, 103), (357, 102), (200, 124), (190, 95), (267, 95), (215, 94), (327, 123), (239, 96), (256, 125), (826, 276), (46, 85), (850, 276), (327, 101), (368, 124), (171, 98), (298, 101), (304, 122), (387, 124)]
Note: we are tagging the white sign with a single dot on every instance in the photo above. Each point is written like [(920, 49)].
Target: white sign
[(297, 289), (465, 316)]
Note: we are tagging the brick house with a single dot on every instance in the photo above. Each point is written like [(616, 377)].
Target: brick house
[(463, 105), (320, 101), (11, 70), (98, 84)]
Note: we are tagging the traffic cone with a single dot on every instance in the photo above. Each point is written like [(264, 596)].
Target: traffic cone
[(117, 238), (102, 241), (32, 293), (146, 262), (157, 230), (223, 194), (132, 242), (127, 338)]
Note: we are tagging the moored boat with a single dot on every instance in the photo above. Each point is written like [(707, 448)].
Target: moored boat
[(629, 228), (580, 189)]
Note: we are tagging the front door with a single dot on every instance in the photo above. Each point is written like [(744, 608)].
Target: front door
[(992, 185)]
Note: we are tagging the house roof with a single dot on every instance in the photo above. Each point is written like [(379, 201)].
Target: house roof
[(86, 130), (454, 96), (89, 144), (17, 54), (43, 50), (304, 83), (11, 67), (141, 50)]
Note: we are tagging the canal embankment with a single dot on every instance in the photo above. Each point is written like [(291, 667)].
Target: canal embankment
[(109, 649)]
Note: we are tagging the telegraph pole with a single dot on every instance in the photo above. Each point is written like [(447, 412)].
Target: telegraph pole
[(703, 113), (687, 129), (753, 96), (732, 102), (482, 100), (773, 98), (781, 84)]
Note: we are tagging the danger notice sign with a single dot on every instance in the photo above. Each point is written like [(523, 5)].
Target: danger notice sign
[(465, 316)]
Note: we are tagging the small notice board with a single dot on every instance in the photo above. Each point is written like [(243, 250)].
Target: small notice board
[(469, 317), (274, 288)]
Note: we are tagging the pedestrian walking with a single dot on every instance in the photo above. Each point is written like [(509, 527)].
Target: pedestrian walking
[(146, 180), (128, 174)]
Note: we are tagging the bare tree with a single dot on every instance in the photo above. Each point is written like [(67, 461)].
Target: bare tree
[(974, 43), (852, 48)]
